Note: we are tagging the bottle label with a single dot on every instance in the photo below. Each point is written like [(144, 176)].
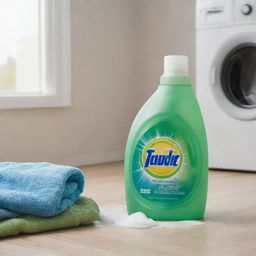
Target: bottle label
[(161, 165)]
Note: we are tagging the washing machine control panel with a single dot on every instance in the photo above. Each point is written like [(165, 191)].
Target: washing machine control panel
[(243, 11), (246, 9), (212, 13)]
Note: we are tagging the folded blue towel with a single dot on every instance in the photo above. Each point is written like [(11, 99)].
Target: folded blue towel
[(5, 214), (39, 189)]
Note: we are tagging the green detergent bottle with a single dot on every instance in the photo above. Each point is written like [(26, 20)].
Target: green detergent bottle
[(166, 159)]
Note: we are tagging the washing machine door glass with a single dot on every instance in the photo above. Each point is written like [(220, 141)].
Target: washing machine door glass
[(238, 76)]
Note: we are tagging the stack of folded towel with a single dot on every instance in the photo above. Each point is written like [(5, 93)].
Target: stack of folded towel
[(37, 197)]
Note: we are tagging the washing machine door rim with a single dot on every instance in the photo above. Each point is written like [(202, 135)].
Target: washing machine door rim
[(233, 91)]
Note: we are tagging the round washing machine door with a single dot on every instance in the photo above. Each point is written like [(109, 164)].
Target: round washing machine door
[(233, 77)]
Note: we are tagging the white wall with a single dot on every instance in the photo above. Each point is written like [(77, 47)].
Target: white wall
[(166, 27), (117, 50)]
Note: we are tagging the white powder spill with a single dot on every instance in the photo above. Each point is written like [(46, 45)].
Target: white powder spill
[(137, 220), (117, 215), (111, 215)]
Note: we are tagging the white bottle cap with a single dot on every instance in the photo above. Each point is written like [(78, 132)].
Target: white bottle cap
[(175, 65)]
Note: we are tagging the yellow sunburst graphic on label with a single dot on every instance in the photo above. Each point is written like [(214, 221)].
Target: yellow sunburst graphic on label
[(161, 157)]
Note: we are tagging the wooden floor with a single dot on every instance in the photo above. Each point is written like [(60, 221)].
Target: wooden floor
[(229, 228)]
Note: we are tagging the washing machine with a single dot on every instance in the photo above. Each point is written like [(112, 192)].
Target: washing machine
[(226, 80)]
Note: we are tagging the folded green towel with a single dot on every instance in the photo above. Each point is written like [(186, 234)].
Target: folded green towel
[(84, 211)]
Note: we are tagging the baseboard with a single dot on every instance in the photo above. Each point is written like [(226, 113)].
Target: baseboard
[(87, 159)]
